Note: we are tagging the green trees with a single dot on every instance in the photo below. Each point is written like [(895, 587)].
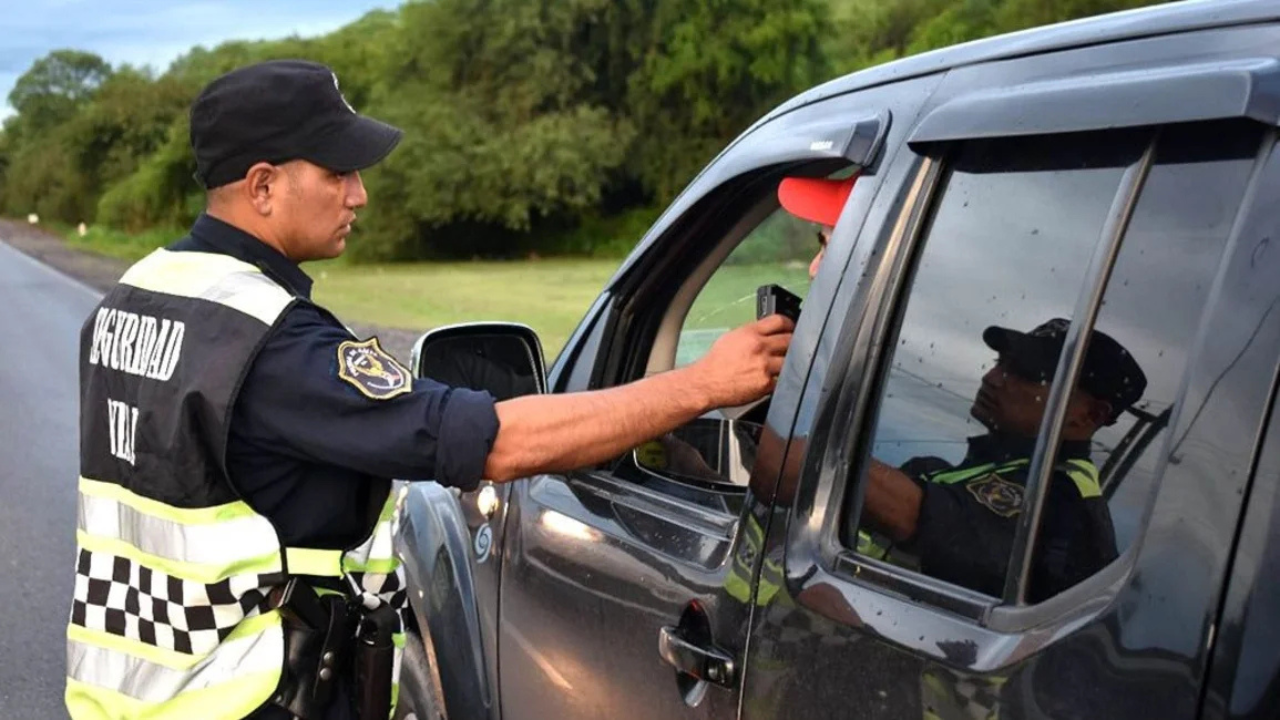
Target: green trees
[(56, 86), (546, 126), (503, 131), (46, 158)]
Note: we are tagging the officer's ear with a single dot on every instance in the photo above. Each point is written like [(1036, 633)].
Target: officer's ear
[(1098, 411), (1107, 413), (1085, 414), (263, 184)]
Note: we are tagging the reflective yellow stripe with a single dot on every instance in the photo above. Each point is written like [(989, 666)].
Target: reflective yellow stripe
[(1085, 475), (398, 639), (1086, 467), (737, 586), (158, 655), (310, 561), (868, 546), (771, 579), (186, 516), (231, 700), (382, 565), (377, 553), (223, 543), (210, 276), (255, 625), (106, 682), (1082, 472), (198, 572), (951, 477)]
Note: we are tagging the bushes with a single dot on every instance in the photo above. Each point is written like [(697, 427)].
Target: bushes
[(161, 191)]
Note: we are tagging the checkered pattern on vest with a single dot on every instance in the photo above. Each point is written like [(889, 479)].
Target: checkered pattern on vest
[(117, 595)]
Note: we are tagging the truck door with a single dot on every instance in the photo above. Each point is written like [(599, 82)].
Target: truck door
[(620, 597), (1067, 195)]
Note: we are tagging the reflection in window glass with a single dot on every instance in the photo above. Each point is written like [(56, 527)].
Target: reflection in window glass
[(1003, 260), (777, 252), (1157, 293)]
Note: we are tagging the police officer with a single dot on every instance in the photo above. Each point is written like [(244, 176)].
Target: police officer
[(237, 442), (961, 521)]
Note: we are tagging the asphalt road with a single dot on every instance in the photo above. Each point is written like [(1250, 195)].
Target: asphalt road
[(39, 329)]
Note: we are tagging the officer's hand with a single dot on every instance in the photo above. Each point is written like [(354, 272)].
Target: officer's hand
[(743, 365)]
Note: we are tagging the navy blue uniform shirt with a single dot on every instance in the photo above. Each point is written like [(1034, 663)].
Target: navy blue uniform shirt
[(304, 442), (963, 540)]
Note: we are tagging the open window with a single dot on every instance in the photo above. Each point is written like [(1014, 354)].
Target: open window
[(779, 250), (1037, 354), (741, 240)]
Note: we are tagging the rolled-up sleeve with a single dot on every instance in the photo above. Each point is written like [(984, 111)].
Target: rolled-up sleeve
[(467, 425), (295, 397)]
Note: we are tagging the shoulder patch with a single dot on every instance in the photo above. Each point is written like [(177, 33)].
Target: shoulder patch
[(371, 370), (998, 495)]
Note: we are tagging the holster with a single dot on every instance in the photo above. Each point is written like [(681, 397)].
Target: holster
[(318, 635), (375, 661)]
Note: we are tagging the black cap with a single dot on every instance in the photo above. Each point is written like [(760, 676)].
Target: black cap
[(1110, 373), (278, 111)]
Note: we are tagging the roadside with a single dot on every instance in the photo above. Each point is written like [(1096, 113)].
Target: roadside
[(100, 273)]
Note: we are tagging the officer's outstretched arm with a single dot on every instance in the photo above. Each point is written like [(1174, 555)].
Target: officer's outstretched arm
[(555, 433), (892, 501)]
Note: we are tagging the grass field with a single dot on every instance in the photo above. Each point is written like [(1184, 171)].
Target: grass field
[(549, 295)]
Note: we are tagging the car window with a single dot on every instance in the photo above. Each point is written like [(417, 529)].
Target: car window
[(778, 251), (1157, 293), (1004, 254), (987, 313), (709, 460)]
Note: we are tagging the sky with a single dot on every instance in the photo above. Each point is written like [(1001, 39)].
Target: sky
[(155, 32)]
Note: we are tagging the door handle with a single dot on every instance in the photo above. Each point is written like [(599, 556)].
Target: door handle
[(702, 661)]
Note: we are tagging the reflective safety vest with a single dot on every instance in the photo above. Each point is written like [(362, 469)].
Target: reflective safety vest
[(751, 543), (171, 616)]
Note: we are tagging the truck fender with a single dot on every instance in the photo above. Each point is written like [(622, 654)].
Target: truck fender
[(433, 543)]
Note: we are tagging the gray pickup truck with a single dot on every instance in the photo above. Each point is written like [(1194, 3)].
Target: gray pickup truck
[(1120, 173)]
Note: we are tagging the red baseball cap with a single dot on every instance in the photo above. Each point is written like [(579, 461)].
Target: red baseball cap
[(817, 200)]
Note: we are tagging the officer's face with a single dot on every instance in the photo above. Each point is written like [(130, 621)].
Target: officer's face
[(316, 210), (1008, 403), (1011, 404)]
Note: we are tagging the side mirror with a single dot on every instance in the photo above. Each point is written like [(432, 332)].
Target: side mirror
[(708, 451), (504, 359)]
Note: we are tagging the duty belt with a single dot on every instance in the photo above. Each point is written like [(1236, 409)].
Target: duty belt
[(327, 637)]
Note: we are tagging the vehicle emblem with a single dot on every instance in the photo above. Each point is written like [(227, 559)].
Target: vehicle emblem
[(483, 543)]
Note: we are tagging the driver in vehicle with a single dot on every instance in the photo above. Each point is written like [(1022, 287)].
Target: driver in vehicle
[(960, 521), (818, 200)]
